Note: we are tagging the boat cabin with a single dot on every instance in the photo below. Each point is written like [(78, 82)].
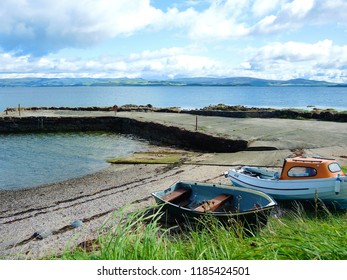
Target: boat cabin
[(310, 168)]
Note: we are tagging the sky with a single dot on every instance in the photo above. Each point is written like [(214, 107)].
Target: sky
[(160, 39)]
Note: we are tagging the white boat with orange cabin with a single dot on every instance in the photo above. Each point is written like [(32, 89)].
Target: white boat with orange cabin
[(301, 178)]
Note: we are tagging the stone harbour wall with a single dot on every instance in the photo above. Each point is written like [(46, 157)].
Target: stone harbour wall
[(153, 132), (283, 114)]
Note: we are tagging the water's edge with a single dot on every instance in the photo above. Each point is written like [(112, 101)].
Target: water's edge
[(153, 132)]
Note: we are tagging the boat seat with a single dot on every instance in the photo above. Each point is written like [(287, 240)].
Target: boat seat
[(214, 203), (175, 195)]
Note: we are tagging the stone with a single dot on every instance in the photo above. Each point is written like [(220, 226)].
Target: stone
[(42, 234), (76, 223)]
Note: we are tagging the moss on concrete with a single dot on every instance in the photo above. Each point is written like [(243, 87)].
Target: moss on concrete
[(162, 157)]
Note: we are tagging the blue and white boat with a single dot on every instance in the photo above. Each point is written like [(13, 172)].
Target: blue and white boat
[(300, 179), (190, 200)]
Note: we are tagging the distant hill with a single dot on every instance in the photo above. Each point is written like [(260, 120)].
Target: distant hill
[(199, 81), (247, 81), (71, 82)]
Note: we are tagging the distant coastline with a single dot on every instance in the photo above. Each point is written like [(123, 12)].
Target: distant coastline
[(199, 81)]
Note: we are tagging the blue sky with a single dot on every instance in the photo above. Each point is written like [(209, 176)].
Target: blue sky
[(159, 39)]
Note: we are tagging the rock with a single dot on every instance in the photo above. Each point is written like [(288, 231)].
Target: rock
[(42, 234), (76, 223)]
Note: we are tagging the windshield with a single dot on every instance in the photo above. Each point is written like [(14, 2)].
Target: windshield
[(299, 171), (334, 167)]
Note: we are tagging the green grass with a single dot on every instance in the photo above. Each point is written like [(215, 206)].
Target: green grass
[(163, 157), (297, 235)]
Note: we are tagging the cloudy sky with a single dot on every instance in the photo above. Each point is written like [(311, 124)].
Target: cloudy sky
[(159, 39)]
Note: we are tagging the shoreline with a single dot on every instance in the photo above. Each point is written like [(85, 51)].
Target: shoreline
[(221, 110), (37, 222)]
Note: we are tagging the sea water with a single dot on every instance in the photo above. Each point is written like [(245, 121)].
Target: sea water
[(28, 160), (186, 97)]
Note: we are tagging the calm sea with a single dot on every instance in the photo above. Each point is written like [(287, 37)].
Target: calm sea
[(33, 159), (186, 97), (28, 160)]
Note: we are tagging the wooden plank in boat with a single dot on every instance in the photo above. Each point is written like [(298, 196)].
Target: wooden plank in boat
[(174, 195), (214, 203)]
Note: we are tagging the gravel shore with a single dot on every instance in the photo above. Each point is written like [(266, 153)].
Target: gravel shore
[(36, 222)]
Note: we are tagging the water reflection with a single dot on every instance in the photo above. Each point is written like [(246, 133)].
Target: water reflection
[(34, 159)]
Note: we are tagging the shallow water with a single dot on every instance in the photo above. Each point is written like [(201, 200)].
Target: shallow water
[(33, 159)]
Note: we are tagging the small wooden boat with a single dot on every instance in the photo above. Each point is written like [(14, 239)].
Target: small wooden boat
[(301, 179), (193, 200)]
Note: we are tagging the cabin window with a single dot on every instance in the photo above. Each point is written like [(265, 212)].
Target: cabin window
[(334, 167), (300, 171)]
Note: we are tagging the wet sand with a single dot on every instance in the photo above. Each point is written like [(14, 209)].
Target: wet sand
[(51, 209)]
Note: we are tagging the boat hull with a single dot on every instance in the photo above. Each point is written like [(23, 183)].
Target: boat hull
[(248, 208), (323, 189)]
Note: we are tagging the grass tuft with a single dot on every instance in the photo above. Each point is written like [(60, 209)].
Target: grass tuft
[(296, 235)]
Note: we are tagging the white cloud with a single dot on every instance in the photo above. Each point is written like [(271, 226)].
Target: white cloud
[(294, 14), (234, 19), (298, 8), (166, 62), (40, 27), (43, 26), (262, 8), (169, 62), (31, 30), (320, 60), (218, 21), (295, 51)]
